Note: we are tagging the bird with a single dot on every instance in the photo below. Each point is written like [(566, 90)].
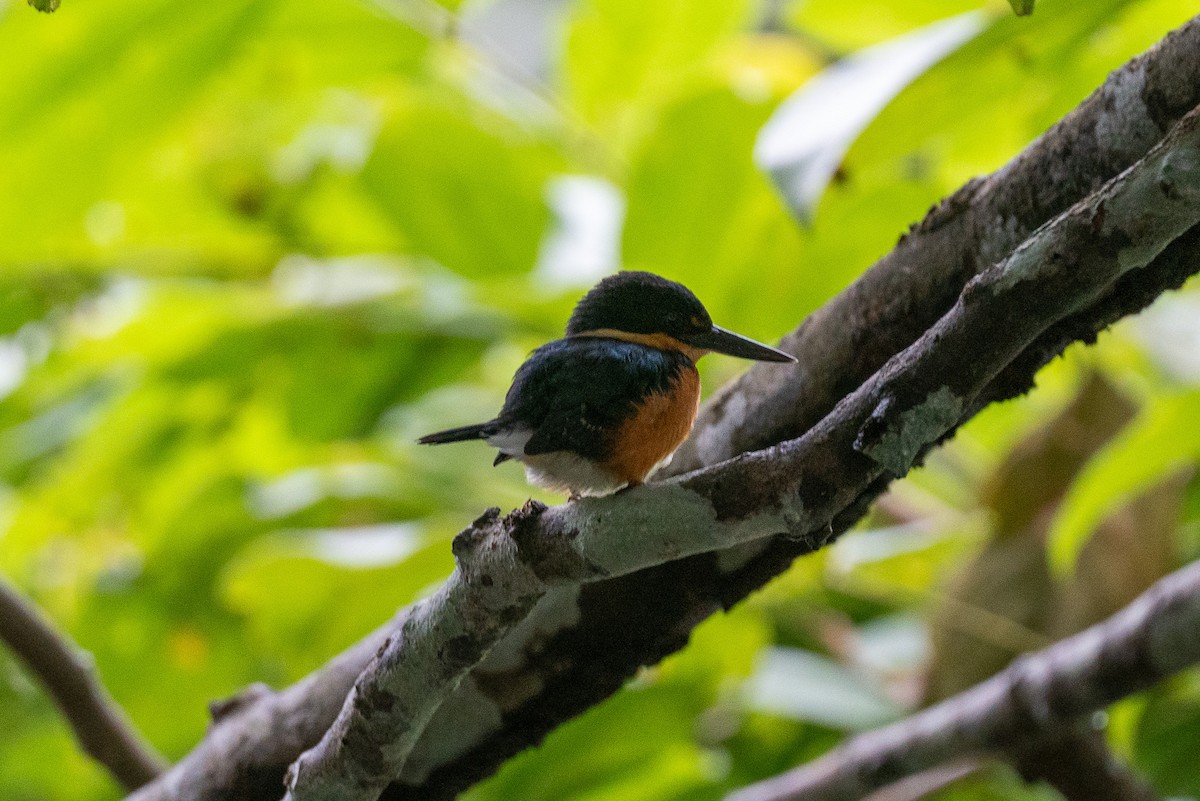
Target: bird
[(600, 409)]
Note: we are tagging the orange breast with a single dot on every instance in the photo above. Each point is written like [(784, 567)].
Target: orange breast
[(657, 427)]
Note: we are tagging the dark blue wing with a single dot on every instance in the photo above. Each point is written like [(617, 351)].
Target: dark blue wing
[(574, 393)]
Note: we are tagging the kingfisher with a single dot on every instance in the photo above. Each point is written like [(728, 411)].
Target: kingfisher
[(601, 408)]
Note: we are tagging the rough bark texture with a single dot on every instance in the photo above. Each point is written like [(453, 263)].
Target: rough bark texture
[(1080, 765), (893, 303), (580, 645), (637, 620), (795, 489), (493, 587), (504, 565), (67, 673), (1037, 696)]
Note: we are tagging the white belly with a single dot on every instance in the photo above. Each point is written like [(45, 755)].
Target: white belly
[(558, 471), (561, 471)]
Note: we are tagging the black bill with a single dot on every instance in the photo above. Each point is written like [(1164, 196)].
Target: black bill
[(719, 340)]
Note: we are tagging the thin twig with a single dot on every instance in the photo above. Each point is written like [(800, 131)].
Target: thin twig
[(928, 782), (1039, 694), (69, 675)]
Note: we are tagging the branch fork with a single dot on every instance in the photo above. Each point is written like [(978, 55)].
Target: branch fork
[(1064, 267), (979, 345)]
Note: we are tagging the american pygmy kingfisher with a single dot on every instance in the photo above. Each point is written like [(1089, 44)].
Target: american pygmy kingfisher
[(602, 407)]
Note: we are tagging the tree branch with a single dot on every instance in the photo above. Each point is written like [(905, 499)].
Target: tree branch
[(256, 735), (617, 626), (504, 565), (579, 645), (850, 337), (69, 675), (919, 786), (1077, 762), (1148, 641), (796, 489)]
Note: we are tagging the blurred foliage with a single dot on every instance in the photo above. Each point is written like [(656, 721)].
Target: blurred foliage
[(1015, 603), (250, 250)]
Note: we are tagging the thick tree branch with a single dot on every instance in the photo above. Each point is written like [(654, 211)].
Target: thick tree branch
[(490, 694), (580, 645), (491, 589), (67, 673), (1036, 696), (1078, 763), (796, 488), (504, 565), (616, 626), (905, 293)]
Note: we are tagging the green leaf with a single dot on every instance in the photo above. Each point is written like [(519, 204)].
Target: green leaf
[(1166, 737), (285, 584), (699, 212), (925, 143), (146, 126), (26, 298), (846, 27), (47, 6), (1162, 439), (74, 121), (587, 759), (1023, 8), (803, 143), (625, 57), (463, 189), (807, 686)]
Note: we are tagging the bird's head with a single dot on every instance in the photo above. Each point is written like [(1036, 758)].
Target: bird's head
[(643, 307)]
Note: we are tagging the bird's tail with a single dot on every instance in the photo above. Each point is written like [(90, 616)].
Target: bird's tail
[(460, 434)]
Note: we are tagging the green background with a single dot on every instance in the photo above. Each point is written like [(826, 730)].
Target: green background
[(249, 251)]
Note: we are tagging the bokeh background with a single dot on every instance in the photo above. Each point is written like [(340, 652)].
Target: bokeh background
[(251, 249)]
